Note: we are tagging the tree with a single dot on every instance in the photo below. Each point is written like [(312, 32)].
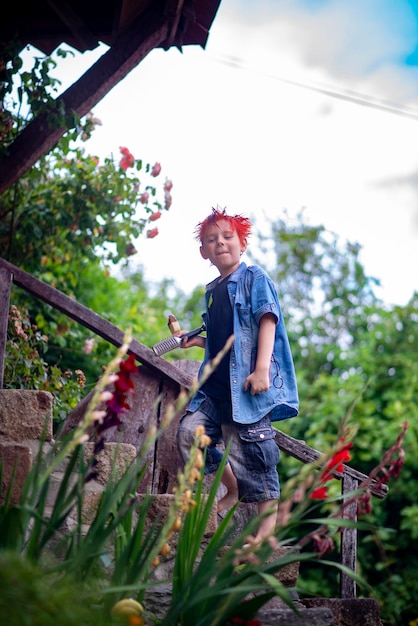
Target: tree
[(354, 357)]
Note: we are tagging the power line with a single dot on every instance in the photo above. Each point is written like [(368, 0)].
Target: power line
[(347, 95)]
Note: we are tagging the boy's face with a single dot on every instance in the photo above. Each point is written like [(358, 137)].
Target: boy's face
[(221, 245)]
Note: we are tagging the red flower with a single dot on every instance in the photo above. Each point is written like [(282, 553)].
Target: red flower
[(152, 233), (127, 159), (144, 197), (128, 365), (155, 216), (156, 169), (320, 493), (116, 405), (336, 463)]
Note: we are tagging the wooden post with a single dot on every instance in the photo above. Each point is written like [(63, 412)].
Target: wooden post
[(348, 540), (5, 286)]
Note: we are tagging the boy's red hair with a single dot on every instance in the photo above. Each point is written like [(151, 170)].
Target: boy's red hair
[(240, 224)]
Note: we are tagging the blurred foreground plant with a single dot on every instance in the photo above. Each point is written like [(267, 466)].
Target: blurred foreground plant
[(216, 581)]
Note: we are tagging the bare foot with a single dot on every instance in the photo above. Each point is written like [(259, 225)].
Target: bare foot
[(227, 501)]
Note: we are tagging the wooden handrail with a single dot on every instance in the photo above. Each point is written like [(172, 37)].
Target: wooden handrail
[(350, 478), (84, 316)]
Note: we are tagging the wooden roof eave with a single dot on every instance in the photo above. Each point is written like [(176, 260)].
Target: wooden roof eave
[(150, 30)]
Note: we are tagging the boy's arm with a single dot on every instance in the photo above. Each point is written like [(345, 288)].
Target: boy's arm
[(259, 379)]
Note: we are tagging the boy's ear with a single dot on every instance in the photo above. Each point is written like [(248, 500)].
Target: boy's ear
[(244, 246), (203, 253)]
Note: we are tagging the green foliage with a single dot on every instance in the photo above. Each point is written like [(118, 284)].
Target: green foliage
[(67, 221), (32, 597), (24, 94), (26, 368), (353, 354), (70, 210)]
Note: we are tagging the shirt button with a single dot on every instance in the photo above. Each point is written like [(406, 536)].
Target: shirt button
[(261, 436)]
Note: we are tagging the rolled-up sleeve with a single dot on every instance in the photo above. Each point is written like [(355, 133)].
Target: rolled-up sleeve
[(264, 298)]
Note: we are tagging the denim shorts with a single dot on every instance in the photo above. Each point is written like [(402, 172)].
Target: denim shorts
[(253, 453)]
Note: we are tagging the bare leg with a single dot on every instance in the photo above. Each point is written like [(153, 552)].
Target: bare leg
[(268, 523), (231, 496)]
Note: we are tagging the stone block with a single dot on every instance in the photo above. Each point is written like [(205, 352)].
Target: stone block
[(301, 617), (15, 461), (349, 611), (25, 414), (288, 574), (112, 461)]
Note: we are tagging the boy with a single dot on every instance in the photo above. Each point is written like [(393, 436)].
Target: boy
[(255, 382)]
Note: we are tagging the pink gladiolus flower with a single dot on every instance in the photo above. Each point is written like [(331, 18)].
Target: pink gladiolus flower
[(155, 216), (168, 185), (144, 197), (156, 169), (152, 233)]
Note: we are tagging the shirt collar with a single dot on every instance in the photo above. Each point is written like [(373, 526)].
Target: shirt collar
[(234, 277)]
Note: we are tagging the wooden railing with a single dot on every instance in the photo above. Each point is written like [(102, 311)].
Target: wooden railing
[(350, 478)]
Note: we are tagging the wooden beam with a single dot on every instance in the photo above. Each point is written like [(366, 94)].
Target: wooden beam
[(142, 36), (79, 30), (349, 541), (91, 320), (5, 286)]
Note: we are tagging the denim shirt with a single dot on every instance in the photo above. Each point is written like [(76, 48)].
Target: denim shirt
[(252, 295)]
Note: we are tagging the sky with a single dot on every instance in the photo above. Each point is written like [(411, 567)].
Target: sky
[(294, 105)]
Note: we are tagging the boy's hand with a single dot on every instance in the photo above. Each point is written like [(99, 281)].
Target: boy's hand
[(174, 327), (257, 381), (198, 341)]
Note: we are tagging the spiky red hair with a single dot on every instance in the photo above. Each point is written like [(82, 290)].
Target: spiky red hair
[(240, 224)]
